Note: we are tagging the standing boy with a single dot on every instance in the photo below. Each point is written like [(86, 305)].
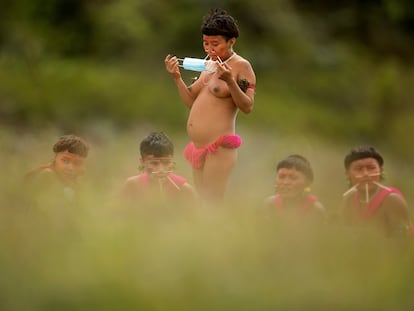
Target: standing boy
[(214, 100)]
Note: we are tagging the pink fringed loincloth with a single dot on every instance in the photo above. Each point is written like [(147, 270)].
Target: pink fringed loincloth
[(197, 156)]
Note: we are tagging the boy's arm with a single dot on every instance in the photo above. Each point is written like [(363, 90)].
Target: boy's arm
[(243, 100), (345, 211), (269, 202), (188, 94), (128, 189), (397, 214)]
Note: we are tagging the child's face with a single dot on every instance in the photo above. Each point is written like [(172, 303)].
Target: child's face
[(364, 172), (69, 166), (290, 182), (158, 166), (217, 46)]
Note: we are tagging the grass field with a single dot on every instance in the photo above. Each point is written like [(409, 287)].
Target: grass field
[(98, 256)]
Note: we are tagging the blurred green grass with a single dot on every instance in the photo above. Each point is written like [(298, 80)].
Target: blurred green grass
[(99, 256)]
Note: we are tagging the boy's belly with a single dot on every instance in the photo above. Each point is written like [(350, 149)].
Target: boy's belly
[(207, 121)]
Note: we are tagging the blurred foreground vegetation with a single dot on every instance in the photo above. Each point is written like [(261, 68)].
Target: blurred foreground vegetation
[(96, 258), (96, 255), (330, 76)]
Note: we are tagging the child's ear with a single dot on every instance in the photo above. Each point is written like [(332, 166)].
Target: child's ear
[(348, 177), (382, 175), (141, 164), (53, 162)]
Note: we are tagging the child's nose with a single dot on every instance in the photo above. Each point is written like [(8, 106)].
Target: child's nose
[(210, 51), (365, 171), (284, 181), (70, 166), (160, 167)]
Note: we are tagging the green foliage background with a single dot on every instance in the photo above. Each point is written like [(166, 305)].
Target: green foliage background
[(330, 75), (342, 71)]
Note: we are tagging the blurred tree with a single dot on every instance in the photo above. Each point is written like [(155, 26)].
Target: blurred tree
[(318, 62), (64, 27), (384, 27)]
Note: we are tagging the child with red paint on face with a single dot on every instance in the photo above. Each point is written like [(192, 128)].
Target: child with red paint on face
[(294, 175), (368, 202), (61, 175), (157, 182)]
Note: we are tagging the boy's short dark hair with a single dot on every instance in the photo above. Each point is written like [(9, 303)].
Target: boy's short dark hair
[(218, 23), (363, 152), (157, 144), (72, 144), (299, 163)]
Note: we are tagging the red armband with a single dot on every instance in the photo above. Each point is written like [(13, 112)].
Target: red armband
[(252, 87)]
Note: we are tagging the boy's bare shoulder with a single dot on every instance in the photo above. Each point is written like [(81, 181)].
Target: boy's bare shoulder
[(269, 201), (45, 175), (132, 181)]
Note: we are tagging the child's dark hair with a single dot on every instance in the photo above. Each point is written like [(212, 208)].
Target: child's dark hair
[(362, 153), (297, 162), (218, 23), (157, 144), (72, 144)]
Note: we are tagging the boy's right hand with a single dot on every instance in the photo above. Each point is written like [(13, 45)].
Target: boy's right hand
[(171, 64)]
